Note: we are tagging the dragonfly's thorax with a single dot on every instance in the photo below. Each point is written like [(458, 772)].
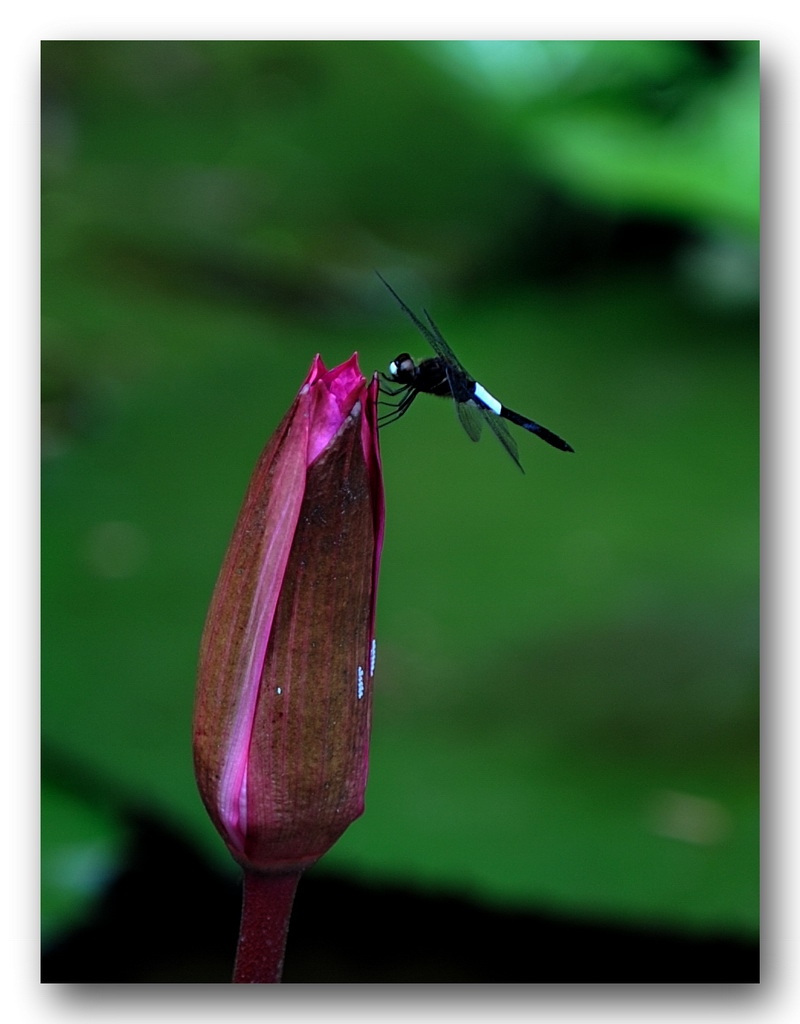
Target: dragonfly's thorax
[(428, 375)]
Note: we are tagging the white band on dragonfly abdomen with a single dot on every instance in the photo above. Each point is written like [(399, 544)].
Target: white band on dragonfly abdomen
[(488, 400)]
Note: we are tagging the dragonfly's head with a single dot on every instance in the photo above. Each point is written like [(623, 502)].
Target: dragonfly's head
[(402, 368)]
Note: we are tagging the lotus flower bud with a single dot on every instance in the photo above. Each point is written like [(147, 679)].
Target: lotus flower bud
[(284, 693)]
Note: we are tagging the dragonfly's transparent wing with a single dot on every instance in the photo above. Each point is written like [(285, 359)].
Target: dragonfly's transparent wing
[(472, 416), (412, 316), (460, 381), (434, 338), (503, 435), (471, 419), (462, 385)]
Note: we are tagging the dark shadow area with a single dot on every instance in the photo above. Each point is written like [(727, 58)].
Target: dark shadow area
[(170, 919)]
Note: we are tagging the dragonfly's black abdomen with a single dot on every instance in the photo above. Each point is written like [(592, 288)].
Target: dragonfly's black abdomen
[(538, 429)]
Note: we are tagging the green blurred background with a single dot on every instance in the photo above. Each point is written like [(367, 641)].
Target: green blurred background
[(567, 693)]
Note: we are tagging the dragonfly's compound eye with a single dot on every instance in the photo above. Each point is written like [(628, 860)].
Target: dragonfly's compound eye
[(401, 367)]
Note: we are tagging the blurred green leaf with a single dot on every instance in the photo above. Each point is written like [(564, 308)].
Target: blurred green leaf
[(82, 849), (631, 125)]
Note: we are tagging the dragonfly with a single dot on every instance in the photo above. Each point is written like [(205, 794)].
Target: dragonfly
[(443, 375)]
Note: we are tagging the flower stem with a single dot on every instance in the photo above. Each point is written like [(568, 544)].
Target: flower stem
[(266, 907)]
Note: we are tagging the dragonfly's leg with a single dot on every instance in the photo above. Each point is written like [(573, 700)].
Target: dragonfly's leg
[(400, 409), (391, 391)]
